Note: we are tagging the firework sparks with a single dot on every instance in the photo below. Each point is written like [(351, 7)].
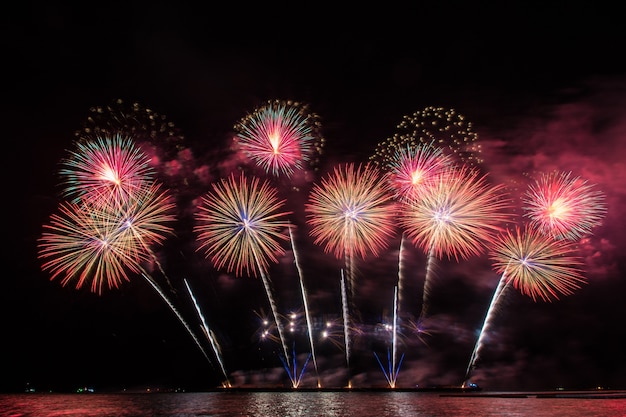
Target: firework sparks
[(535, 264), (85, 244), (279, 136), (100, 243), (414, 169), (145, 125), (240, 224), (564, 206), (351, 210), (105, 169), (458, 215), (445, 128)]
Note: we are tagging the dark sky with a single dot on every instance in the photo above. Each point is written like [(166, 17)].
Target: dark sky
[(543, 86)]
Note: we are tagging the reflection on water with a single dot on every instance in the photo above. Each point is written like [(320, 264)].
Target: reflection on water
[(360, 404)]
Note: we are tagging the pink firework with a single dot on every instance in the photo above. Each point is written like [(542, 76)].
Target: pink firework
[(240, 225), (352, 209), (536, 264), (105, 169), (457, 216), (414, 169), (280, 136), (564, 206)]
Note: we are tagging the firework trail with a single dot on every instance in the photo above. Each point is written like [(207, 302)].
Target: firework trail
[(346, 325), (306, 307), (177, 313), (400, 271), (564, 206), (456, 218), (209, 335), (391, 374), (239, 226), (535, 264), (279, 136)]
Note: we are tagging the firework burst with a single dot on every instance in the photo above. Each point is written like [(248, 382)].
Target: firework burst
[(536, 264), (101, 243), (414, 169), (279, 136), (240, 225), (351, 209), (143, 124), (105, 169), (457, 216), (444, 128), (564, 206)]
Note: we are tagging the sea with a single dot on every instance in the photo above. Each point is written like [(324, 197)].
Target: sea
[(286, 404)]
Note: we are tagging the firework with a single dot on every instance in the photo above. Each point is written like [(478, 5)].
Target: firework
[(564, 206), (209, 335), (280, 136), (101, 243), (351, 210), (86, 244), (457, 216), (393, 368), (535, 264), (105, 169), (134, 120), (414, 169), (444, 128), (305, 302), (240, 225)]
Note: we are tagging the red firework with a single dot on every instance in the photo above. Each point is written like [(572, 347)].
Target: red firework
[(564, 206), (280, 136)]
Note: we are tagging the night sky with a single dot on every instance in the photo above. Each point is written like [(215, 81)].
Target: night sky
[(543, 86)]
